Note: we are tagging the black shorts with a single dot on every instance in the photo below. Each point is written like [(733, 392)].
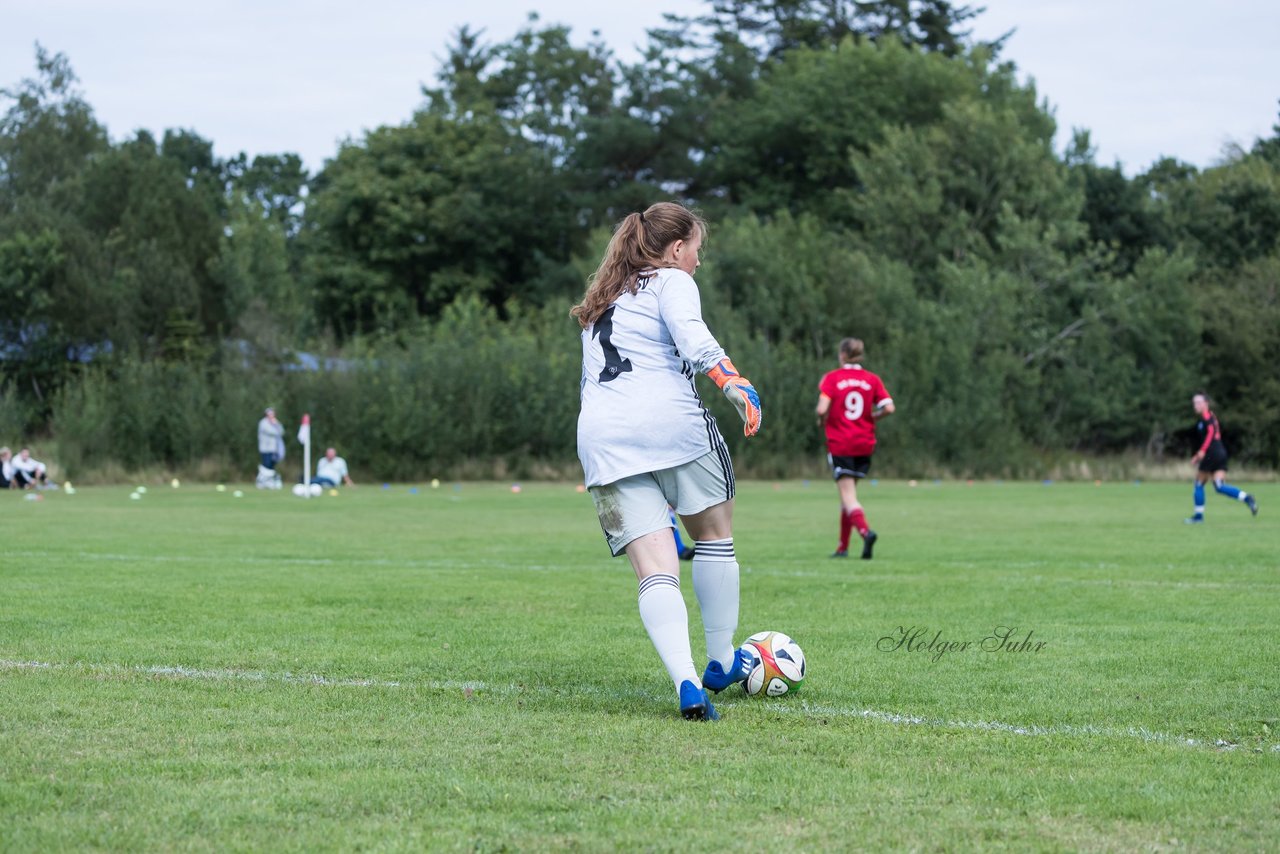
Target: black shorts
[(1215, 459), (855, 467)]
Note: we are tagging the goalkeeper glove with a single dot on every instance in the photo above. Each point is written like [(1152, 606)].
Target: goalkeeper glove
[(741, 393)]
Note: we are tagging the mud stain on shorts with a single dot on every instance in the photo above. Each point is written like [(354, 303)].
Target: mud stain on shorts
[(608, 507)]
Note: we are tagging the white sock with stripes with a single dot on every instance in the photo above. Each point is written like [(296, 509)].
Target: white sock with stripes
[(667, 620), (715, 581)]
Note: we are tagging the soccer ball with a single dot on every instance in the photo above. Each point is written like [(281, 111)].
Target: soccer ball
[(779, 666), (316, 490), (300, 490)]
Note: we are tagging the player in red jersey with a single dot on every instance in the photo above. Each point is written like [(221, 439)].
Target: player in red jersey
[(851, 400)]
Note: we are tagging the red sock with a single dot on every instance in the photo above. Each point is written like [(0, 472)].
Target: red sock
[(846, 525), (859, 520)]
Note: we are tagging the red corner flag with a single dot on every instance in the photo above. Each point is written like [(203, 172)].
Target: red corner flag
[(304, 432)]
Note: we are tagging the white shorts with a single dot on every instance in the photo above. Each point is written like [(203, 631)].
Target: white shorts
[(637, 505)]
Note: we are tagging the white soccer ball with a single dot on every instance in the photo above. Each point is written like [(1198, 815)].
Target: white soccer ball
[(299, 490), (779, 666), (316, 490), (136, 496)]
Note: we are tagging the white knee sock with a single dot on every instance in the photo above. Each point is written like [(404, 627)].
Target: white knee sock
[(667, 621), (715, 581)]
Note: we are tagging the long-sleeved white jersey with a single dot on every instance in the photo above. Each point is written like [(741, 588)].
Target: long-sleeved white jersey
[(640, 410)]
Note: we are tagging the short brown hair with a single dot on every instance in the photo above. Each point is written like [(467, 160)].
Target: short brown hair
[(851, 349)]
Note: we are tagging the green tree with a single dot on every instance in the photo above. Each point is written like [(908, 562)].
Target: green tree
[(1268, 148), (539, 82), (1232, 215), (259, 261), (48, 135), (158, 230), (1118, 211), (1241, 310), (272, 185), (774, 27), (789, 144), (400, 225)]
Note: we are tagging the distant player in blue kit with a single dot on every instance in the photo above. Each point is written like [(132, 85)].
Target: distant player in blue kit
[(647, 444), (1211, 461)]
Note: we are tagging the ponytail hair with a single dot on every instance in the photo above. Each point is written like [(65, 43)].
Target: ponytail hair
[(636, 249), (851, 349)]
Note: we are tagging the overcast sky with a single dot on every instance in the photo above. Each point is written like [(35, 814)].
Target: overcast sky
[(1174, 77)]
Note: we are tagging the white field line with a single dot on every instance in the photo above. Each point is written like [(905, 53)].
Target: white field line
[(468, 687), (1078, 730), (248, 560), (497, 563), (219, 674)]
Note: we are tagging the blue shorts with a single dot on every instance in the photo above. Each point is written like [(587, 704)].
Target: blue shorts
[(269, 461)]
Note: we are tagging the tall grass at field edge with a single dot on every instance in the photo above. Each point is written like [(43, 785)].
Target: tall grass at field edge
[(223, 468)]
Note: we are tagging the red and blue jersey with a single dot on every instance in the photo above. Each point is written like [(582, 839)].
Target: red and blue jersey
[(1210, 434)]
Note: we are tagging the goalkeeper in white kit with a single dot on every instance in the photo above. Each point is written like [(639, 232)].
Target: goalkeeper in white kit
[(646, 441)]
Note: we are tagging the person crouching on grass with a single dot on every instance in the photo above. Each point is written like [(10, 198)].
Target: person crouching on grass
[(860, 401), (646, 441), (28, 472)]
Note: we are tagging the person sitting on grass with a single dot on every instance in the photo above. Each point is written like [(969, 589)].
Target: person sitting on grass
[(29, 472), (331, 470)]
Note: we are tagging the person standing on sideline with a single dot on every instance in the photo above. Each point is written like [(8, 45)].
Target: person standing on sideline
[(646, 441), (270, 449), (1211, 461), (860, 401)]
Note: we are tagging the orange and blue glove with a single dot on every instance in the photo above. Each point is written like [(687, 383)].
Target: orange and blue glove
[(741, 393)]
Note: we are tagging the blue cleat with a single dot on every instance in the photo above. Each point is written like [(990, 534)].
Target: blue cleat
[(717, 680), (694, 705), (1194, 520)]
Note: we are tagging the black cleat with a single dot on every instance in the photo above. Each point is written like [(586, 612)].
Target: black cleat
[(1252, 504), (687, 553), (840, 553), (868, 543)]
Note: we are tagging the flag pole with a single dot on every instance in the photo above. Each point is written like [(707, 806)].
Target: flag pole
[(304, 433)]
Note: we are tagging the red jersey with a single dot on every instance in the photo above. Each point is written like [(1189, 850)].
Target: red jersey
[(854, 393)]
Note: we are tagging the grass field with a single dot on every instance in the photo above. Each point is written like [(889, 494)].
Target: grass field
[(465, 668)]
